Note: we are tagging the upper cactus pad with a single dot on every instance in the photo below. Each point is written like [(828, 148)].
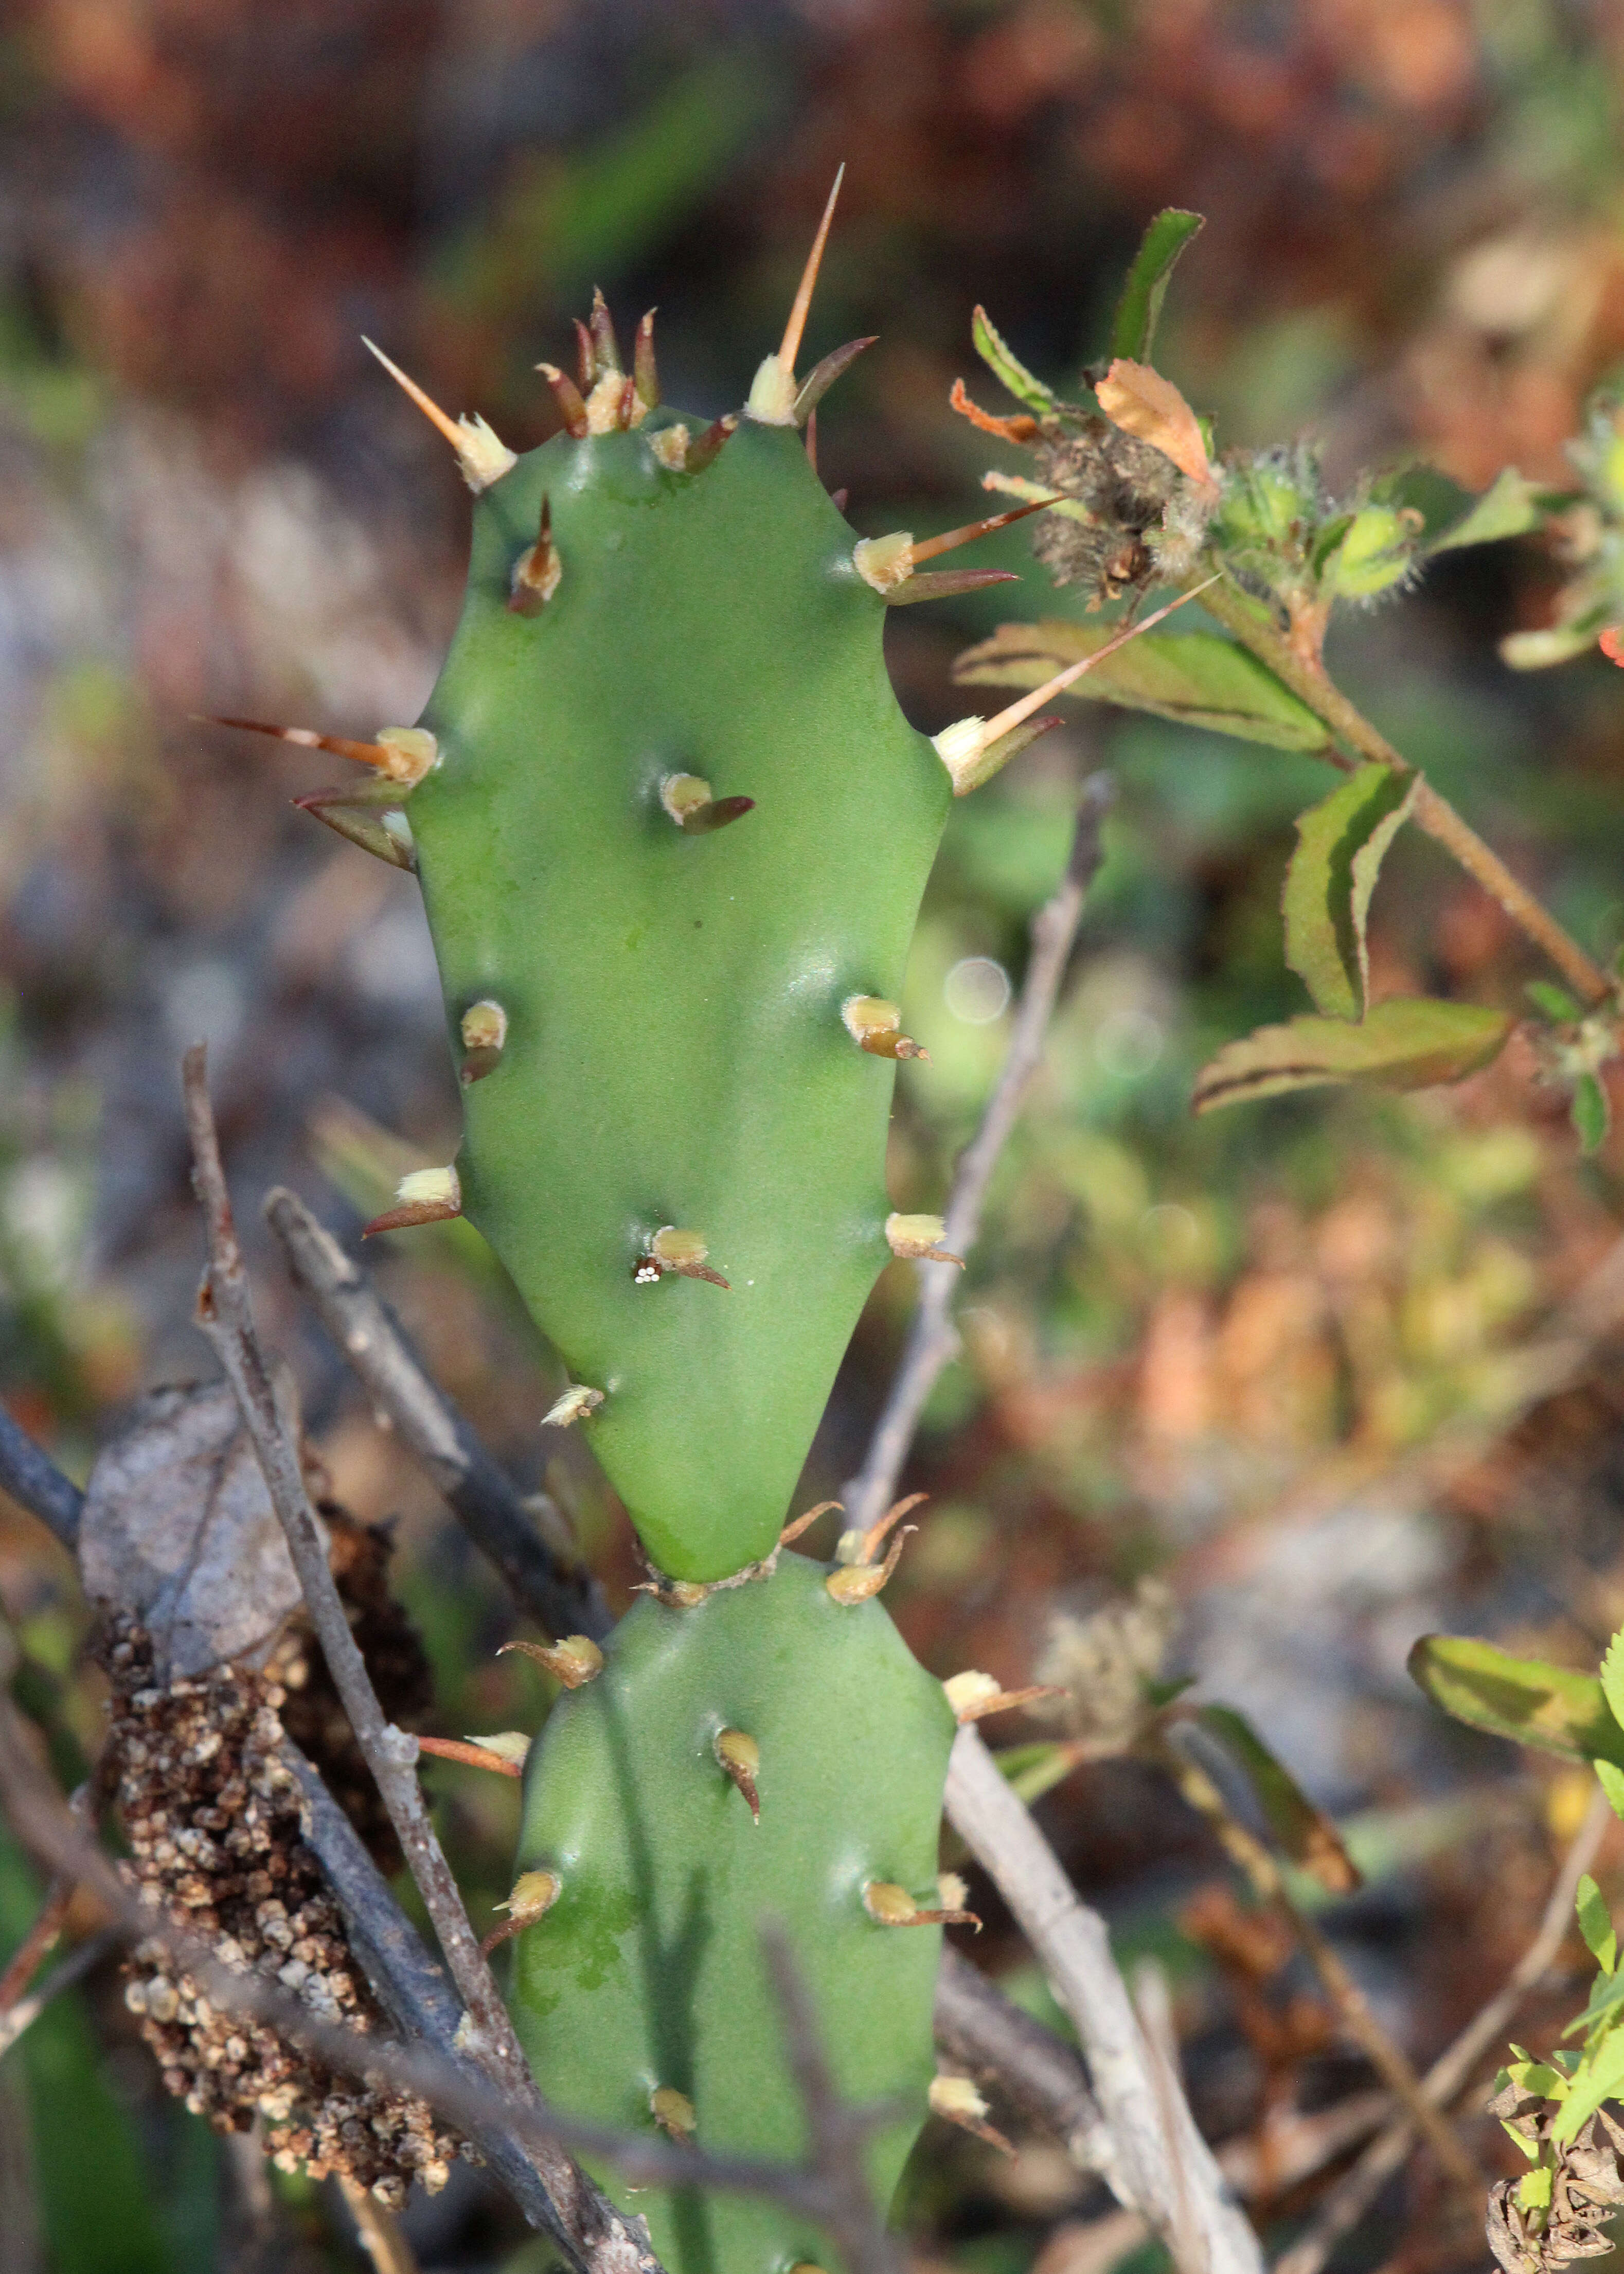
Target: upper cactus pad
[(672, 1051)]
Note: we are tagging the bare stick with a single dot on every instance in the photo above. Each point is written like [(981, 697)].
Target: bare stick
[(834, 2130), (1353, 2194), (933, 1339), (379, 2231), (563, 1600), (36, 1483), (1071, 1945), (1261, 1868), (981, 2031), (225, 1315), (27, 1958), (24, 2012)]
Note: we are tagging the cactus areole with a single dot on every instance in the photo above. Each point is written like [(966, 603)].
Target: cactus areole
[(674, 1058)]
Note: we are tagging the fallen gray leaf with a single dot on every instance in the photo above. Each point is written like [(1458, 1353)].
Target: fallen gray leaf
[(179, 1528)]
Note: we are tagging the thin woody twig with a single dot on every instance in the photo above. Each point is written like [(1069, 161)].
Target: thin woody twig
[(1354, 2194), (933, 1339), (562, 1599), (1262, 1870), (27, 1957), (225, 1315), (22, 2012), (379, 2231), (37, 1484), (1071, 1945)]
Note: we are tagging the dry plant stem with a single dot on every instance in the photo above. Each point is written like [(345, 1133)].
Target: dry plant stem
[(37, 1484), (1309, 681), (1071, 1945), (48, 1827), (1262, 1870), (22, 2012), (933, 1339), (562, 1600), (225, 1313), (834, 2130), (380, 2231), (983, 2031), (1353, 2194), (31, 1950)]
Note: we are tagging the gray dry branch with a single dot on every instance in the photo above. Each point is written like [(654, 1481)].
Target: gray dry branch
[(596, 2231)]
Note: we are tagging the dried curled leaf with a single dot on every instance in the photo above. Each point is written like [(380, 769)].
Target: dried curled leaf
[(179, 1530), (1143, 403), (1304, 1832), (1404, 1045)]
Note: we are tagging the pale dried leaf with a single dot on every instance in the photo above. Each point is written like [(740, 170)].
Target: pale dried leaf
[(179, 1530), (1142, 403)]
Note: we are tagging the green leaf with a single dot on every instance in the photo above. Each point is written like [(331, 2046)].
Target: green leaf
[(1611, 1676), (1611, 1779), (1404, 1044), (1524, 1699), (1600, 2076), (1606, 1993), (1304, 1832), (1032, 1770), (1000, 358), (1596, 1924), (1134, 326), (1533, 2189), (1198, 678), (1590, 1113), (1509, 508), (1340, 845), (1557, 1004)]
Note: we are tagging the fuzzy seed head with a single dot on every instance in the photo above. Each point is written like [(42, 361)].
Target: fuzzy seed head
[(957, 2098), (412, 753), (431, 1188), (669, 445), (484, 1026), (507, 1744), (773, 394), (884, 561), (674, 2112), (682, 794), (532, 1896)]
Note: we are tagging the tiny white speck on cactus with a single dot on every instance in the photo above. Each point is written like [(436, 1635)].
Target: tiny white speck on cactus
[(412, 753), (576, 1402), (969, 1690), (669, 445), (484, 1026), (506, 1744), (959, 745), (884, 561)]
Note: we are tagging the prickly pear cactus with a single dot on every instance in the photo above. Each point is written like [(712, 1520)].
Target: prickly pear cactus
[(672, 830)]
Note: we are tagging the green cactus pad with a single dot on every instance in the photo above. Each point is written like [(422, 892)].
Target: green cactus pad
[(675, 1051), (648, 1973)]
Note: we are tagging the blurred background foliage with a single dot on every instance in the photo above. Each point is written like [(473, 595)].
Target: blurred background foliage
[(1291, 1360)]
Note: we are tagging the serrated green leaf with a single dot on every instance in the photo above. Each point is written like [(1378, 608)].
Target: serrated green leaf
[(1198, 678), (1595, 1924), (1590, 1113), (1340, 845), (1524, 1699), (1134, 326), (1611, 1779), (1558, 643), (1606, 1993), (1534, 2189), (1600, 2076), (995, 352), (1538, 2077), (1405, 1044), (1304, 1834), (1557, 1004), (1611, 1676), (1509, 508)]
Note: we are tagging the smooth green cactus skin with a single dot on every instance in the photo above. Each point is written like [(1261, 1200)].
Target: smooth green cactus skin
[(648, 1970), (675, 1053)]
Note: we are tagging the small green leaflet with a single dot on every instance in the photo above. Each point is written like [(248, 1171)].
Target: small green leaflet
[(1001, 358), (1600, 2076), (1590, 1113), (1596, 1924), (1509, 508), (1557, 1004), (1610, 1779), (1524, 1698), (1341, 843), (1304, 1832), (1199, 679), (1404, 1044), (1134, 326)]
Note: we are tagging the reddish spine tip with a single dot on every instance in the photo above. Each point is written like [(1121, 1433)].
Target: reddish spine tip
[(567, 395)]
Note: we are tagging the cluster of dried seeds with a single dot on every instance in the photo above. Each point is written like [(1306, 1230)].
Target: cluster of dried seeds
[(212, 1817)]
